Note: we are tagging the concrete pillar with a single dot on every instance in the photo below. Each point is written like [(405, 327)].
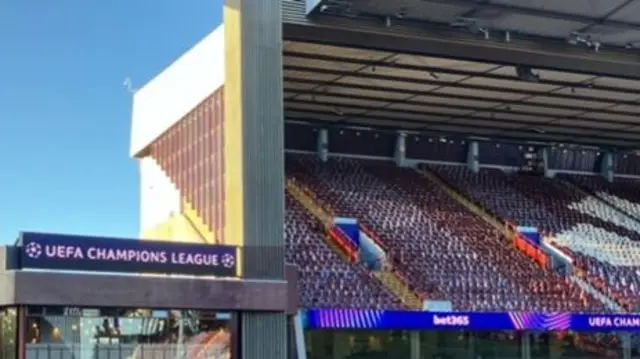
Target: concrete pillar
[(606, 166), (340, 344), (525, 345), (544, 153), (471, 353), (473, 156), (401, 149), (414, 338), (254, 160), (626, 345), (323, 145)]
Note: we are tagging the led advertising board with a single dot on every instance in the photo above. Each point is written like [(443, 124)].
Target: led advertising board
[(414, 320), (99, 254)]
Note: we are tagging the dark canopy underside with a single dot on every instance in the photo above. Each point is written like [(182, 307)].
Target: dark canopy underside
[(334, 85)]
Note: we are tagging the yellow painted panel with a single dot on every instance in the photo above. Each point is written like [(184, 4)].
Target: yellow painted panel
[(175, 229), (197, 222), (233, 128)]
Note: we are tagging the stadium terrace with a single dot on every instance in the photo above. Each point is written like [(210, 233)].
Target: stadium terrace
[(366, 179)]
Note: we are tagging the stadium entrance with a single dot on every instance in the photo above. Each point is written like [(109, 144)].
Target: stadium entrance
[(85, 297)]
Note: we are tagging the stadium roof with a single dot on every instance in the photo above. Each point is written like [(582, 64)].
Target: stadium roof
[(351, 86), (609, 22), (412, 77)]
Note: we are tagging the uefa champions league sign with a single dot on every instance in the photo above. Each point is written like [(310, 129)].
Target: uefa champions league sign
[(65, 252)]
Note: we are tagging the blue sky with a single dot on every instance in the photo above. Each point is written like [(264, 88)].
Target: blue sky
[(64, 114)]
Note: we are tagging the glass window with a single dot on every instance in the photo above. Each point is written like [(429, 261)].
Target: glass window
[(354, 344), (576, 345), (128, 333), (8, 333)]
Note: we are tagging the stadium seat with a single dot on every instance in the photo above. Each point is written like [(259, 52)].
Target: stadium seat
[(442, 249), (623, 193), (603, 241), (326, 281)]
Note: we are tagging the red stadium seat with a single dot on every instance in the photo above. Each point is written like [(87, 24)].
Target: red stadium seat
[(326, 280), (441, 248)]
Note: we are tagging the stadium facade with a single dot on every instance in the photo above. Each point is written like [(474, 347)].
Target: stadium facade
[(212, 141), (444, 185)]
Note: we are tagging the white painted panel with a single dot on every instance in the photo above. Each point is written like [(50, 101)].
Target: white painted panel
[(159, 197), (177, 90)]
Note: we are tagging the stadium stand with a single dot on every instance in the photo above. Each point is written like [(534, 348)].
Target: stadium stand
[(623, 194), (326, 280), (602, 240), (444, 250)]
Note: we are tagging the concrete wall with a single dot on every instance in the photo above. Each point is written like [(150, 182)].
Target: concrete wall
[(159, 198), (91, 290), (177, 90), (177, 228)]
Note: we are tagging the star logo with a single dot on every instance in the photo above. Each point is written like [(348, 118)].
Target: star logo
[(228, 261), (33, 250)]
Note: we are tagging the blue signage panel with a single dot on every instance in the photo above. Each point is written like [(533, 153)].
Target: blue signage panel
[(68, 252), (414, 320)]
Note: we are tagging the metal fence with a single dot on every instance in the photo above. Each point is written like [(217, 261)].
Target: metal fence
[(126, 351)]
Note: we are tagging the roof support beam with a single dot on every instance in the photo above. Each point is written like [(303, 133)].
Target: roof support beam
[(325, 88), (427, 82), (479, 121), (523, 10), (438, 104), (466, 129), (519, 138), (554, 55), (453, 71)]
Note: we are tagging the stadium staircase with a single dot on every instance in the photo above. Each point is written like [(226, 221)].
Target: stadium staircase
[(608, 302), (391, 280), (462, 199), (300, 194), (386, 275), (510, 232), (196, 222), (189, 211), (308, 201)]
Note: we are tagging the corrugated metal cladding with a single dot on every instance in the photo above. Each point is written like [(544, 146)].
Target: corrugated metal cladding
[(293, 12), (263, 139), (191, 154), (265, 335)]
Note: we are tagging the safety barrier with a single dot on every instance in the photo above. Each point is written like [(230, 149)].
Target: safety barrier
[(509, 229), (394, 279), (374, 236), (527, 247), (334, 237), (323, 211), (344, 244)]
